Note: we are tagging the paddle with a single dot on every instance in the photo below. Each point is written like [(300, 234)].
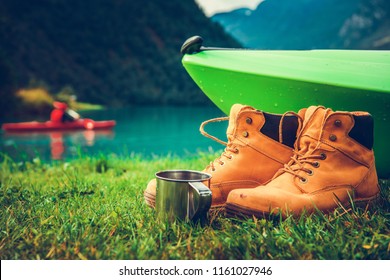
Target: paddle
[(72, 114)]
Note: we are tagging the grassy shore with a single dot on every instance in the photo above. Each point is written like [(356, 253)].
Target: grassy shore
[(93, 208)]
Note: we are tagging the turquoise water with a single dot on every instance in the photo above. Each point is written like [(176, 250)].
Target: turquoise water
[(141, 130)]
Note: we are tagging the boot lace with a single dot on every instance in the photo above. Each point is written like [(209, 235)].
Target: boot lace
[(230, 147), (297, 162)]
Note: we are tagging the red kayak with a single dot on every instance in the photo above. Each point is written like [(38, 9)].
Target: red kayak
[(86, 124)]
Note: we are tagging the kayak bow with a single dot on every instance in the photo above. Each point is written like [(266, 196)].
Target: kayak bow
[(279, 81)]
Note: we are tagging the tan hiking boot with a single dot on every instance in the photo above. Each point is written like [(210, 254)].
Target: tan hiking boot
[(258, 145), (333, 164)]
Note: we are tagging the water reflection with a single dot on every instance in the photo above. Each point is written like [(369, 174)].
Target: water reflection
[(147, 131), (57, 147), (62, 144)]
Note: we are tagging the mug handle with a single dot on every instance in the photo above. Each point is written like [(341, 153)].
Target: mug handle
[(199, 201)]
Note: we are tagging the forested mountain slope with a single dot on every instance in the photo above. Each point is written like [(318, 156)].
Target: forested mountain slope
[(110, 52)]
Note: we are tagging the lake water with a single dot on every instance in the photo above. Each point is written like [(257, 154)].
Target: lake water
[(140, 130)]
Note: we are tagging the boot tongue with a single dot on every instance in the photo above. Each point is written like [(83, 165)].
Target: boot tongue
[(235, 111), (314, 121)]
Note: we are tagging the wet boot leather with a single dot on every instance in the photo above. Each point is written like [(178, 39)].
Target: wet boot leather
[(259, 144), (333, 164)]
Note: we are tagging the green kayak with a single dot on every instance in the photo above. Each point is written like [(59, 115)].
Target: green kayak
[(280, 81)]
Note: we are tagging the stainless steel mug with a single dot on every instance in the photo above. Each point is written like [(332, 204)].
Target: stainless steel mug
[(182, 194)]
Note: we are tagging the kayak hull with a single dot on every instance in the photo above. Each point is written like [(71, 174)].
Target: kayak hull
[(83, 124), (280, 81)]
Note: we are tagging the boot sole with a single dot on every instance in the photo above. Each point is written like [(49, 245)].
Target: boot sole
[(235, 210), (150, 199), (364, 202)]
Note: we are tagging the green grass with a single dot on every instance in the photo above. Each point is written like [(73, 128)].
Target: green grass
[(93, 208)]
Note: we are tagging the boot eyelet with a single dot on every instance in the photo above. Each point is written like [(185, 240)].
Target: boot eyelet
[(323, 156), (316, 164), (236, 151), (332, 137), (248, 120), (245, 134), (222, 163), (303, 180), (230, 157), (310, 172), (337, 123)]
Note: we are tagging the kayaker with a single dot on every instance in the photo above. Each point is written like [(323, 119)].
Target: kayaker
[(62, 113)]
